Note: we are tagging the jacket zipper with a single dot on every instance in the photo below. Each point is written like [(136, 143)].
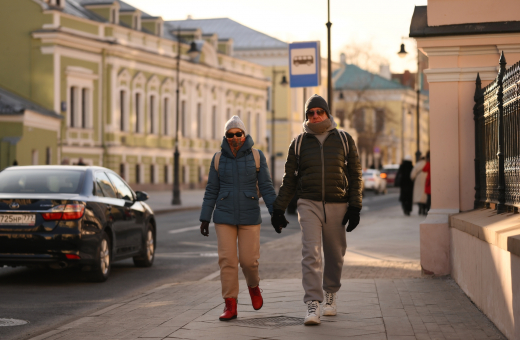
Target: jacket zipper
[(323, 175)]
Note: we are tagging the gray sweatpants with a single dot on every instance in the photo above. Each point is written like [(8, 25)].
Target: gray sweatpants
[(314, 229)]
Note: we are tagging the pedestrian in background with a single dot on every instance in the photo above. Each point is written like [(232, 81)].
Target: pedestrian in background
[(419, 182), (403, 180), (237, 176), (427, 187), (319, 162)]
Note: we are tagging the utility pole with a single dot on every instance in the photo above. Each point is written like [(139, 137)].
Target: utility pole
[(176, 200), (329, 62)]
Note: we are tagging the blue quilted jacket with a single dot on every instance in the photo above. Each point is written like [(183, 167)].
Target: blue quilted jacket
[(232, 192)]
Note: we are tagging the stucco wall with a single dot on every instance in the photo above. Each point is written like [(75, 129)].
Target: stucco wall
[(490, 276), (451, 12)]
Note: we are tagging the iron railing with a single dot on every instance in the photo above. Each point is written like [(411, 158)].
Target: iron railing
[(497, 140)]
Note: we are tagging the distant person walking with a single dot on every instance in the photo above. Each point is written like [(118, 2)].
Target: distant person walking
[(403, 180), (427, 187), (419, 182), (237, 175), (323, 168)]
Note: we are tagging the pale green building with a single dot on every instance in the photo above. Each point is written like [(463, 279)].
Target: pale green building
[(100, 76)]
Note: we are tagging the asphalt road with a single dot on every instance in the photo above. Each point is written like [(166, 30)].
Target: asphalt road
[(51, 297)]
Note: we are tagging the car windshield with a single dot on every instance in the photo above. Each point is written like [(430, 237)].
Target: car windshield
[(40, 181), (368, 174)]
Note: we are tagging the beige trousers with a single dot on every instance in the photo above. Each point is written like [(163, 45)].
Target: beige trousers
[(248, 254)]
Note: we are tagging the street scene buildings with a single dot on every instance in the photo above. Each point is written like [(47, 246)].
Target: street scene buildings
[(128, 187)]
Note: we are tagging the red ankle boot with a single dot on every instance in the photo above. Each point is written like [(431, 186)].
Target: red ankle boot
[(230, 310), (256, 297)]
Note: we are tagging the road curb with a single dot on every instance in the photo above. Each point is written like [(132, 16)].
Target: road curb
[(172, 210)]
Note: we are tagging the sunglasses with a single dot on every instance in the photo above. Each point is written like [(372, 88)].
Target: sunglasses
[(319, 112), (231, 135)]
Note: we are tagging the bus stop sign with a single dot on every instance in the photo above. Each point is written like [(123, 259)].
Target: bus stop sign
[(304, 64)]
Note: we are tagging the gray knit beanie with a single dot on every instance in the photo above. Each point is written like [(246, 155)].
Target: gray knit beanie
[(235, 122), (316, 101)]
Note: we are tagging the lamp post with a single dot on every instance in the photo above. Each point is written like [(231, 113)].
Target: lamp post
[(283, 83), (402, 53), (193, 53), (329, 62)]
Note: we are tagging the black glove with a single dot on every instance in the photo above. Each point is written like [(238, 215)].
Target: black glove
[(352, 217), (204, 228), (279, 221)]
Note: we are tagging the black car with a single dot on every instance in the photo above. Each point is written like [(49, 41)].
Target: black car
[(61, 216)]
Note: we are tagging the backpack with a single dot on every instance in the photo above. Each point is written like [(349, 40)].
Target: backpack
[(298, 145), (256, 156)]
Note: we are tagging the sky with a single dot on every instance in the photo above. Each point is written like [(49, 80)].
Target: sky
[(378, 25)]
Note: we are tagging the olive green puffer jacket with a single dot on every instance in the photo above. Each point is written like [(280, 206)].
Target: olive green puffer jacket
[(322, 175)]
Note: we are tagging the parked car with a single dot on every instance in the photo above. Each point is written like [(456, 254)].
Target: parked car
[(390, 172), (374, 181), (61, 216)]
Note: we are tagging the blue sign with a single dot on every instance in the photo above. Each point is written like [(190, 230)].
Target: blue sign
[(304, 64)]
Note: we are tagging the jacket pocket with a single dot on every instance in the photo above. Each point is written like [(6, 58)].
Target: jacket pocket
[(250, 195), (222, 199)]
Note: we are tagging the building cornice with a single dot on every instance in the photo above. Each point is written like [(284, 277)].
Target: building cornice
[(460, 74), (82, 43)]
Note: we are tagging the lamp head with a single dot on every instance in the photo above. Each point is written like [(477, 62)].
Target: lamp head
[(402, 52), (284, 81), (193, 51)]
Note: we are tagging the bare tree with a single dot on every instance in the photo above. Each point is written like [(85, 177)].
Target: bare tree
[(361, 101)]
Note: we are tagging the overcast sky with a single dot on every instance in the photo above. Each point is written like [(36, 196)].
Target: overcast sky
[(381, 23)]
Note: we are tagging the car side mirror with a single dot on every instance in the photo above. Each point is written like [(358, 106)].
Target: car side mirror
[(141, 196)]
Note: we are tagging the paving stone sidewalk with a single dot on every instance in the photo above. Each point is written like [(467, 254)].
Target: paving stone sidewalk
[(367, 309)]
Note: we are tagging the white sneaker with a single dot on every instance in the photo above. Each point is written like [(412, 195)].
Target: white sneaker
[(313, 313), (329, 306)]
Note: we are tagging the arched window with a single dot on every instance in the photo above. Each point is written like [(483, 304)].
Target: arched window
[(166, 116), (214, 123), (122, 110), (138, 112)]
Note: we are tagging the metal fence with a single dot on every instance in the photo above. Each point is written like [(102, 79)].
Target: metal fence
[(497, 140)]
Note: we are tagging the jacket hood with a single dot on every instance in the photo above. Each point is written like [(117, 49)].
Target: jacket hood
[(248, 144), (332, 126)]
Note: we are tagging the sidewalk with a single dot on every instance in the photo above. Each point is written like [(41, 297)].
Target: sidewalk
[(383, 296), (161, 201), (367, 309)]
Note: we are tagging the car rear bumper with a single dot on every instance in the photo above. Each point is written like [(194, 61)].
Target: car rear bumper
[(18, 249)]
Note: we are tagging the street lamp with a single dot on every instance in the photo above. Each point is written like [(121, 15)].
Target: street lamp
[(402, 53), (192, 53), (283, 83)]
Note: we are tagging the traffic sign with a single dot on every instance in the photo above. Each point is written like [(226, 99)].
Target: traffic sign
[(304, 64)]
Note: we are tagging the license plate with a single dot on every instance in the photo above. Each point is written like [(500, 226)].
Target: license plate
[(17, 219)]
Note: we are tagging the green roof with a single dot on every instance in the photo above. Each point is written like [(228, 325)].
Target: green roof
[(352, 77)]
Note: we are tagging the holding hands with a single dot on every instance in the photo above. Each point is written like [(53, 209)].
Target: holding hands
[(279, 221)]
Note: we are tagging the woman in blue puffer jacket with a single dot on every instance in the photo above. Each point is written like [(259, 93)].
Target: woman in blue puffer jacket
[(233, 189)]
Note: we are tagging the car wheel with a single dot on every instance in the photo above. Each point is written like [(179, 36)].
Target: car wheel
[(145, 259), (101, 269)]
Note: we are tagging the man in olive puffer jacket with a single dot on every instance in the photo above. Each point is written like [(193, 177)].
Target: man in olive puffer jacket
[(329, 186)]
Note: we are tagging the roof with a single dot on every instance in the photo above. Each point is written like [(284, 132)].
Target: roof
[(12, 104), (352, 77), (244, 38), (75, 7), (419, 26)]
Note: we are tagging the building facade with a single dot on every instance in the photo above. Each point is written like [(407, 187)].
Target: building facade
[(478, 247), (109, 70), (382, 112)]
